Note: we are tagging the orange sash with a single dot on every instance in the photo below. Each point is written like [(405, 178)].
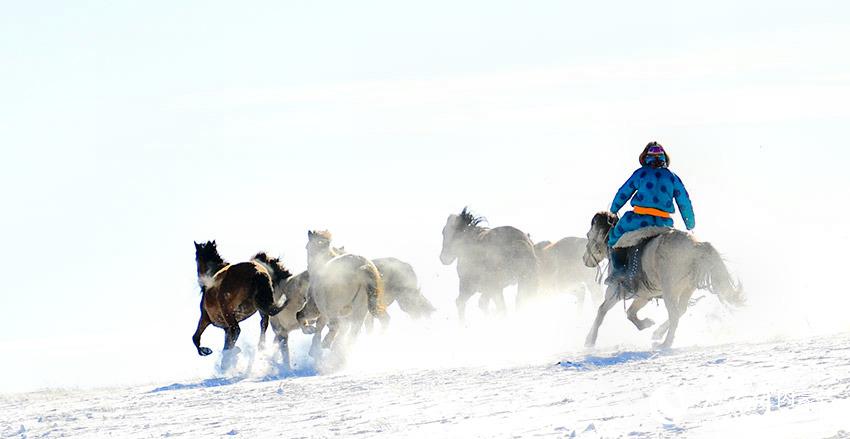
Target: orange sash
[(651, 212)]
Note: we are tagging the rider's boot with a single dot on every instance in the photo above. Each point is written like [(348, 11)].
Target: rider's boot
[(619, 266)]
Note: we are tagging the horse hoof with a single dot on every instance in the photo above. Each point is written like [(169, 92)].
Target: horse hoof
[(204, 351), (645, 323), (661, 346)]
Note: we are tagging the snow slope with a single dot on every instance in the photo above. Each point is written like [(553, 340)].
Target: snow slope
[(798, 388)]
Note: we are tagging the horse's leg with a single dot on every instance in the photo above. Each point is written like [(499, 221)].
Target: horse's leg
[(595, 292), (661, 330), (464, 293), (674, 312), (228, 356), (316, 344), (282, 341), (264, 325), (499, 299), (580, 294), (196, 339), (636, 306), (484, 301), (356, 322), (231, 334), (526, 289), (369, 323), (333, 331), (611, 299), (339, 344), (682, 308)]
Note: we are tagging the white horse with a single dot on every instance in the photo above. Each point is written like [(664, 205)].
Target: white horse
[(344, 288), (562, 270), (293, 291), (673, 266)]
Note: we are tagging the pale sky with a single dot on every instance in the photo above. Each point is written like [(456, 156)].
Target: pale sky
[(129, 129)]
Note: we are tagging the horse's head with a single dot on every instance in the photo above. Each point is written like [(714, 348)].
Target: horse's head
[(417, 306), (318, 246), (597, 237), (208, 261), (453, 232)]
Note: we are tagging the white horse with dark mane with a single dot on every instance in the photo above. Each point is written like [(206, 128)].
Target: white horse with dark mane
[(672, 265)]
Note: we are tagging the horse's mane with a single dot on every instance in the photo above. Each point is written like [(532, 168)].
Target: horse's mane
[(605, 220), (469, 219), (207, 253), (279, 271)]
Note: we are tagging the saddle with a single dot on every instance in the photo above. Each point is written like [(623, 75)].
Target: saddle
[(627, 263)]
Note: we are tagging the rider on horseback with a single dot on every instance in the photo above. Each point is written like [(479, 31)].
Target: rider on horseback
[(652, 189)]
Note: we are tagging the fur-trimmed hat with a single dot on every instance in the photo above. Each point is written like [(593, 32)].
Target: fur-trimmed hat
[(654, 149)]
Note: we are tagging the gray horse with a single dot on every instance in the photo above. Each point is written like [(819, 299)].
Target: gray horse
[(562, 270), (673, 265), (400, 284), (344, 287), (294, 294), (488, 260)]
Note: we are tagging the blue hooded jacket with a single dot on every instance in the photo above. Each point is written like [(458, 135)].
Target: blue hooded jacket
[(656, 188)]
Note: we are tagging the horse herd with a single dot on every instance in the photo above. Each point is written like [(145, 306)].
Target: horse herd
[(343, 292)]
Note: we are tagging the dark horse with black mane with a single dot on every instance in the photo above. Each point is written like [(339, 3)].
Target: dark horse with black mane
[(488, 260), (230, 294)]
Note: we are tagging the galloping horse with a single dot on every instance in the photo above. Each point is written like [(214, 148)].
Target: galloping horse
[(562, 269), (400, 284), (673, 265), (231, 294), (488, 260), (292, 290), (344, 287)]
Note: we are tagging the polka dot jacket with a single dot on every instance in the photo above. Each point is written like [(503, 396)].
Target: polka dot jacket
[(656, 188)]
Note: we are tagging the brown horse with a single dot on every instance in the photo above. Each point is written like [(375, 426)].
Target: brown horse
[(488, 260), (230, 293)]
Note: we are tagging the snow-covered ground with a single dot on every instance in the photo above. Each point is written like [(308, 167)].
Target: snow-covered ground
[(780, 388)]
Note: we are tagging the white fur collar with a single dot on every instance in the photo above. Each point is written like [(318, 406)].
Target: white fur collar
[(632, 239)]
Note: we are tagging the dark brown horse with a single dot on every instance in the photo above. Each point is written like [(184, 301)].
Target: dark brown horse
[(488, 260), (230, 293)]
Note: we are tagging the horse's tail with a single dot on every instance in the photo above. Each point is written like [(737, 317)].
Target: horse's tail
[(712, 274), (375, 291), (261, 283), (413, 302)]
